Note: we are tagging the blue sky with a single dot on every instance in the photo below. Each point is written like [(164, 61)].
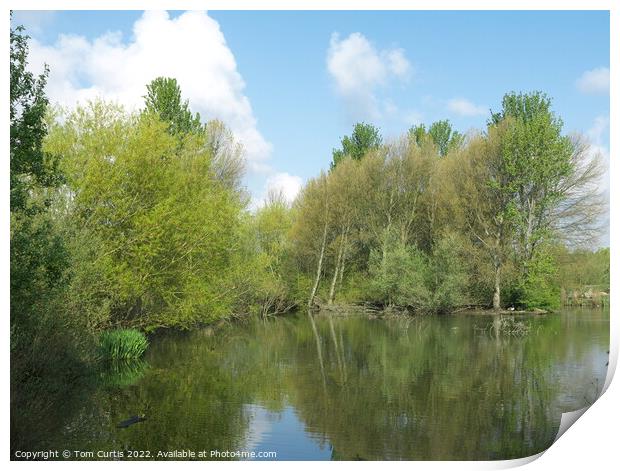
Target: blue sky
[(298, 81)]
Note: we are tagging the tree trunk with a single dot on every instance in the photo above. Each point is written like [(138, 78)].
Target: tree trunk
[(332, 288), (344, 256), (319, 267), (496, 293)]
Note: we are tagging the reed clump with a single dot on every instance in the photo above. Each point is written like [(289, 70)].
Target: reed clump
[(122, 344)]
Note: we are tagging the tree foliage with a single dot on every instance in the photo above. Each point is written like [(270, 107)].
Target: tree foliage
[(164, 99), (365, 137), (397, 276), (48, 344), (32, 170), (536, 159), (440, 133), (166, 224), (509, 193), (38, 256)]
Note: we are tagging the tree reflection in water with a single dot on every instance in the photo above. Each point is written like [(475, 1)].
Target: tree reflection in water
[(426, 388)]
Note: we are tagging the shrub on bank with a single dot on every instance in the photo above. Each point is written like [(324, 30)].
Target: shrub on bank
[(122, 344)]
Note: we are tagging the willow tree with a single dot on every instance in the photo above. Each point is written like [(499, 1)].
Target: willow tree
[(394, 179), (408, 175), (486, 198), (311, 229), (165, 226), (345, 216)]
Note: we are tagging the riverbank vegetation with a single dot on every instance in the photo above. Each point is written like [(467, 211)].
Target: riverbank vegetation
[(139, 220), (122, 344)]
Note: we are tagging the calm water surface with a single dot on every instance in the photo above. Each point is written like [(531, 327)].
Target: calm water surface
[(320, 388)]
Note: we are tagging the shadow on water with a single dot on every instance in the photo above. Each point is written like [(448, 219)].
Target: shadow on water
[(317, 387)]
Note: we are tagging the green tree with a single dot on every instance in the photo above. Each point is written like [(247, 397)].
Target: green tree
[(441, 133), (391, 183), (166, 226), (579, 269), (536, 158), (38, 257), (48, 343), (446, 275), (543, 170), (397, 276), (164, 98), (32, 170), (365, 137), (272, 276), (486, 197), (310, 230), (418, 133), (345, 196), (537, 288)]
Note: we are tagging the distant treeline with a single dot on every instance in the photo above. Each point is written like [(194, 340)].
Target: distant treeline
[(583, 277), (438, 220)]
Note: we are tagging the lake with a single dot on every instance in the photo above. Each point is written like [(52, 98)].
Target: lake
[(322, 387)]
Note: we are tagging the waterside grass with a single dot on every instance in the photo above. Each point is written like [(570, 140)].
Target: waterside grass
[(122, 344)]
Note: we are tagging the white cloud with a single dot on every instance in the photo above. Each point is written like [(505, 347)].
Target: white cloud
[(595, 133), (599, 147), (464, 107), (282, 183), (358, 70), (594, 81), (288, 185), (398, 63), (190, 48), (412, 117), (596, 137)]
